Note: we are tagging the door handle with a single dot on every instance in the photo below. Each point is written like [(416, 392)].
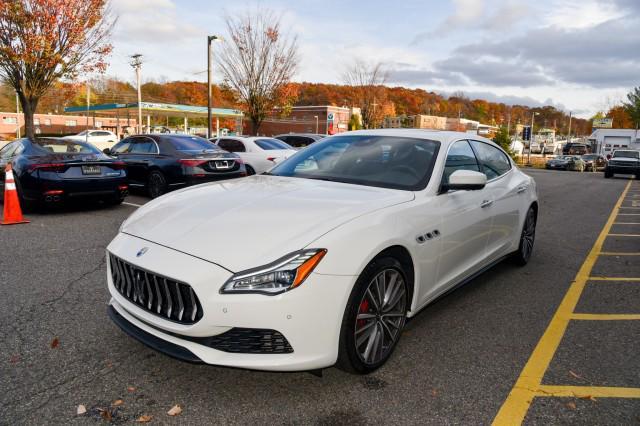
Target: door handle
[(521, 189), (486, 203)]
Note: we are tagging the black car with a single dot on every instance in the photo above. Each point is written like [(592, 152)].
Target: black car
[(300, 140), (50, 171), (624, 162), (161, 162)]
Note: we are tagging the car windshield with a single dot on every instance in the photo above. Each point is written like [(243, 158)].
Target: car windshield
[(382, 161), (192, 143), (564, 157), (271, 144), (63, 146), (627, 154), (82, 133), (589, 157)]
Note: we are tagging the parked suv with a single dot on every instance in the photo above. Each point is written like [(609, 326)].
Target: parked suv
[(572, 148), (625, 162)]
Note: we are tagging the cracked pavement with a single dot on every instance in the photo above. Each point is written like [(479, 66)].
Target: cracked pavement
[(455, 364)]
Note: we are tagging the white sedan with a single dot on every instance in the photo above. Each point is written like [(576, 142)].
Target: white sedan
[(320, 261), (259, 154), (101, 139)]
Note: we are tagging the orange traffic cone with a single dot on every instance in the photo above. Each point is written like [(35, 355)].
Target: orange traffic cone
[(12, 211)]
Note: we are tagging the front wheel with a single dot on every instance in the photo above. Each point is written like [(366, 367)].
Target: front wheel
[(156, 184), (527, 238), (374, 317)]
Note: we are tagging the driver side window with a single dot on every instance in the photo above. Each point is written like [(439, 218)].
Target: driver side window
[(460, 157)]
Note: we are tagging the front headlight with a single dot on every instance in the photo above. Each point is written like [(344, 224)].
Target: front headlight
[(282, 275)]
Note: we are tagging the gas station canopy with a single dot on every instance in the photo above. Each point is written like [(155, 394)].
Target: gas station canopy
[(153, 108)]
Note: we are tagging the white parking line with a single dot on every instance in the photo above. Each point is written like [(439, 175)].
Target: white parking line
[(131, 204)]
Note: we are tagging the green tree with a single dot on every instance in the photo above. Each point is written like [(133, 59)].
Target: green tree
[(633, 106), (503, 139)]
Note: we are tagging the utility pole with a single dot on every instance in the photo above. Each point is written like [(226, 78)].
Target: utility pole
[(569, 131), (136, 63), (533, 116), (209, 40), (316, 117), (17, 116), (88, 107)]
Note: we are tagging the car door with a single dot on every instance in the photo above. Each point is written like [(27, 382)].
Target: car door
[(505, 190), (466, 223), (238, 147), (141, 155)]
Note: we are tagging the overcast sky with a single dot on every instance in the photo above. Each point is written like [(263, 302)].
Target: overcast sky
[(579, 55)]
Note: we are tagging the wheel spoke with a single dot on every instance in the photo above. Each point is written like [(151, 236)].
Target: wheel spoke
[(397, 299), (391, 289), (365, 316), (369, 328), (370, 343), (372, 299)]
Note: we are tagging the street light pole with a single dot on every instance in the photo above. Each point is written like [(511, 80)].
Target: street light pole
[(88, 107), (137, 64), (316, 117), (17, 116), (209, 40)]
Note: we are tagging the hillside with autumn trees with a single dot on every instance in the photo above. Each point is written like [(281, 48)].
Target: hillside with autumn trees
[(393, 101)]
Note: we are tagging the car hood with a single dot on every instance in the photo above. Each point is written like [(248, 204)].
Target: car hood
[(249, 222)]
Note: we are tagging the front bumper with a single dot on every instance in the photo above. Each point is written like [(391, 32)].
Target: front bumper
[(623, 169), (309, 317)]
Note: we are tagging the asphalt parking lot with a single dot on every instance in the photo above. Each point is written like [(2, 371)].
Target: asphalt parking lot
[(460, 361)]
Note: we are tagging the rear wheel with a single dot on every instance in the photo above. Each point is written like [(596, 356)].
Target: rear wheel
[(250, 170), (527, 238), (156, 184), (374, 317)]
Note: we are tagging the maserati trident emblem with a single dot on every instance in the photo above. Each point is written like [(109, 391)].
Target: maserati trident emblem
[(142, 251)]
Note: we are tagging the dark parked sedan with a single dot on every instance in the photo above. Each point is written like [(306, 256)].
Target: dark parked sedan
[(566, 162), (50, 171), (594, 162), (300, 140), (161, 162)]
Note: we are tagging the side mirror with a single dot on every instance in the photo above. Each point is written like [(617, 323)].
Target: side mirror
[(465, 180), (107, 151)]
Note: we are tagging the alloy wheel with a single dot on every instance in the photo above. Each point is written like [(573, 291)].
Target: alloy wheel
[(528, 234), (381, 316), (156, 185)]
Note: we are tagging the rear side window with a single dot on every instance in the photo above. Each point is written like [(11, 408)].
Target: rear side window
[(300, 141), (7, 150), (143, 146), (231, 145), (271, 144), (122, 147), (494, 162), (460, 157), (190, 143)]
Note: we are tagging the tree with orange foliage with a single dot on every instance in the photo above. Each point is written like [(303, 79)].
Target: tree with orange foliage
[(621, 118), (258, 61), (42, 41)]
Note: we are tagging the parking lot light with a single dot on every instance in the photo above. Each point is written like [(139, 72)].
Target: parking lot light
[(209, 53), (533, 116)]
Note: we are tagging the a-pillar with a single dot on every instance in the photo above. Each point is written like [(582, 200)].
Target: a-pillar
[(217, 127)]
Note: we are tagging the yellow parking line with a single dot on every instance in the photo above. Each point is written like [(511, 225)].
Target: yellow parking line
[(627, 223), (624, 235), (628, 214), (605, 317), (612, 279), (588, 391), (525, 389), (612, 253)]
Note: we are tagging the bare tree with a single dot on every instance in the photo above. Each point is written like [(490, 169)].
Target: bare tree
[(258, 61), (42, 41), (367, 80)]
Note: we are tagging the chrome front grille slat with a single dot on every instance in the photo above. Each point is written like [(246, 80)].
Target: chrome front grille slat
[(161, 296)]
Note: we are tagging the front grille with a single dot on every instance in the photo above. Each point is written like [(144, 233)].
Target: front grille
[(154, 293), (249, 341)]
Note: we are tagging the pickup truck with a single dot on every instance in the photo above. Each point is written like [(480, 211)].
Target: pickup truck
[(624, 162)]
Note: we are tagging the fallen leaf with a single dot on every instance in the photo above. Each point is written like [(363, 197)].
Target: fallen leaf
[(145, 418), (589, 397), (14, 359), (117, 403), (175, 410), (131, 389), (577, 376), (55, 342), (105, 414), (81, 410), (571, 405)]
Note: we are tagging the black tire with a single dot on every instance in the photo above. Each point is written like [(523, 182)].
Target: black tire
[(115, 201), (381, 323), (250, 170), (156, 184), (527, 238), (608, 174)]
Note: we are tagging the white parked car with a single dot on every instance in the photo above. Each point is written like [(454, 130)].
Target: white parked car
[(258, 153), (321, 260), (101, 139)]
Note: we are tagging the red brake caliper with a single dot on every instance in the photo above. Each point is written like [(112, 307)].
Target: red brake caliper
[(364, 308)]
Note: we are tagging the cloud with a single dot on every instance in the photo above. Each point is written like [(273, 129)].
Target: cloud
[(507, 99)]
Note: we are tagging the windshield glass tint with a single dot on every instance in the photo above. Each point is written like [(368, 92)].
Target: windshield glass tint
[(628, 154), (384, 161), (65, 146), (192, 143), (270, 144)]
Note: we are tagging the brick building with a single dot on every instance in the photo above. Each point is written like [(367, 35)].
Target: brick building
[(58, 125), (325, 119)]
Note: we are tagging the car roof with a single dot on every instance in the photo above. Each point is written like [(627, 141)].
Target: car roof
[(311, 135), (443, 136)]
